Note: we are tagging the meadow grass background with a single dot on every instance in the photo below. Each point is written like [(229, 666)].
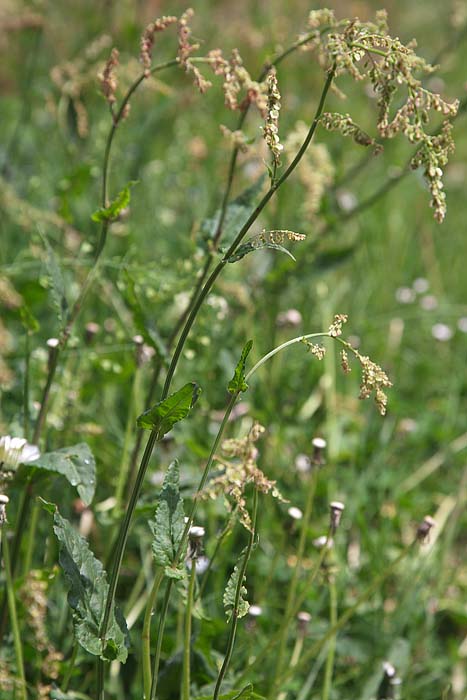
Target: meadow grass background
[(172, 145)]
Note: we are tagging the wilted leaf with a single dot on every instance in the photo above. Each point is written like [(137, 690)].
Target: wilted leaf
[(169, 522), (252, 245), (88, 590), (231, 589), (238, 383), (163, 416), (76, 464), (120, 202)]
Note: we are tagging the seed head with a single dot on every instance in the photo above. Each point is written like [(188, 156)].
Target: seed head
[(303, 620), (319, 445), (295, 513), (336, 509), (423, 530), (195, 537)]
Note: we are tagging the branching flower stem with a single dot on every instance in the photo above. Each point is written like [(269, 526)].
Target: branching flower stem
[(123, 534)]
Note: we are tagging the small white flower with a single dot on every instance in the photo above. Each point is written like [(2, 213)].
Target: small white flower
[(405, 295), (441, 332), (15, 451), (462, 324), (429, 302), (295, 513), (421, 285)]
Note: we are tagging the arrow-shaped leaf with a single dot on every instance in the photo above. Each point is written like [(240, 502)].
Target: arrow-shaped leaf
[(120, 202), (238, 384), (163, 416), (169, 522), (88, 591)]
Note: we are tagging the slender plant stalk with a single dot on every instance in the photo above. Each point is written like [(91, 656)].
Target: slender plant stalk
[(329, 667), (219, 542), (185, 691), (291, 595), (165, 604), (70, 667), (146, 635), (215, 241), (10, 592), (234, 621)]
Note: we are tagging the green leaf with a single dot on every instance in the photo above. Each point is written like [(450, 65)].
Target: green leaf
[(57, 282), (238, 384), (163, 416), (236, 214), (88, 591), (76, 463), (231, 591), (169, 523), (253, 244), (120, 202)]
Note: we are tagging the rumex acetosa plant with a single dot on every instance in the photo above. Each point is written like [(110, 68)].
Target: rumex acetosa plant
[(363, 51)]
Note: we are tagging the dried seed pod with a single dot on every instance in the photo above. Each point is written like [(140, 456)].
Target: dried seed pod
[(336, 509), (423, 530), (319, 445)]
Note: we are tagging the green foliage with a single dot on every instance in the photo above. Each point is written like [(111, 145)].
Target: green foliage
[(75, 463), (230, 593), (88, 590), (238, 384), (169, 523), (163, 416), (114, 209)]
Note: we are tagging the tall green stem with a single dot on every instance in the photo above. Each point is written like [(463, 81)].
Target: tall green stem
[(146, 636), (165, 604), (238, 592), (123, 535), (185, 691), (328, 669)]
